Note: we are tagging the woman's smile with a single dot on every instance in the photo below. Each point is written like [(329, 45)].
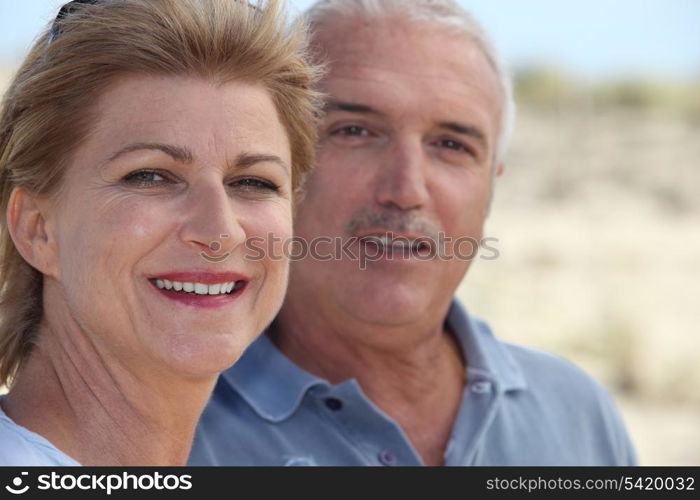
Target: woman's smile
[(201, 289)]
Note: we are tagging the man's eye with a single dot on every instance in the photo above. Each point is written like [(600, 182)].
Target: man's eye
[(145, 178), (351, 130), (255, 184), (457, 146), (452, 144)]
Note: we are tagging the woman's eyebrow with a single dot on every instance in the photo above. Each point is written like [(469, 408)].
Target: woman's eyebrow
[(246, 160), (184, 155), (178, 153)]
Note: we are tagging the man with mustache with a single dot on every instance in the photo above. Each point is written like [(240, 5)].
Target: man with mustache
[(372, 361)]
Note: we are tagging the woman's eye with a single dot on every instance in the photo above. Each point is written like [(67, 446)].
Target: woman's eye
[(145, 178), (255, 184)]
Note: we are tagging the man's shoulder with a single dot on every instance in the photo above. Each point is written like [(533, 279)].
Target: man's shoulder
[(546, 370), (520, 365), (557, 381), (564, 404)]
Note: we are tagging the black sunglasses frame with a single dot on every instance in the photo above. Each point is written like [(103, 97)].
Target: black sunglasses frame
[(65, 10)]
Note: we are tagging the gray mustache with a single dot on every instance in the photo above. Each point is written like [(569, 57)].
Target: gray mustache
[(395, 221)]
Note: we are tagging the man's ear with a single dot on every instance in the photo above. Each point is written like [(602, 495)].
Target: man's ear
[(30, 232), (500, 169)]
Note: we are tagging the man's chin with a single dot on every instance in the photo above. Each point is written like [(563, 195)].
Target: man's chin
[(388, 309)]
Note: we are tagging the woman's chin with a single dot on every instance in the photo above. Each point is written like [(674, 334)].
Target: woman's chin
[(205, 355)]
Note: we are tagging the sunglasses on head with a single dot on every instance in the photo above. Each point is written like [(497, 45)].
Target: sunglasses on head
[(65, 10), (69, 7)]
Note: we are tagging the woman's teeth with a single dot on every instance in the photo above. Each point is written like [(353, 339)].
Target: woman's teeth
[(197, 288)]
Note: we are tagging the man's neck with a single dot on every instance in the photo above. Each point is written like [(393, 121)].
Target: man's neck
[(98, 412), (414, 373)]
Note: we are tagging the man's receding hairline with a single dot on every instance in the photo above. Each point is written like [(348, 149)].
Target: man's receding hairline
[(320, 38), (445, 15)]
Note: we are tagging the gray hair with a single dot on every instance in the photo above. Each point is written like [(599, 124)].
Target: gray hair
[(445, 13)]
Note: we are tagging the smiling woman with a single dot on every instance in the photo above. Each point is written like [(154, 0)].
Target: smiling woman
[(141, 144)]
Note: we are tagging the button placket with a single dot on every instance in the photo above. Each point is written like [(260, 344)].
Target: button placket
[(481, 386)]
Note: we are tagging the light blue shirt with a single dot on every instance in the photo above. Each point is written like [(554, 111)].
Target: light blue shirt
[(519, 407), (21, 447)]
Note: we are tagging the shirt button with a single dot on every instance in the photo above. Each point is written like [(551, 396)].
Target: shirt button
[(481, 387), (334, 404), (387, 458)]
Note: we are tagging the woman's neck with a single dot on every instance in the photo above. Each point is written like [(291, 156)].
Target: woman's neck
[(94, 409)]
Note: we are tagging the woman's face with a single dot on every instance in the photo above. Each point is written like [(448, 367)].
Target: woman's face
[(151, 222)]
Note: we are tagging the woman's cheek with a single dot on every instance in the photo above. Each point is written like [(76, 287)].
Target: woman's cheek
[(269, 234), (277, 231), (140, 219), (111, 240), (101, 220)]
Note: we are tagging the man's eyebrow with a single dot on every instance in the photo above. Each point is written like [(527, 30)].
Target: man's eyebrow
[(459, 128), (350, 107), (246, 160), (178, 153), (469, 130)]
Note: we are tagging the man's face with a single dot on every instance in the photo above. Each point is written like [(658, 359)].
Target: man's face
[(406, 148)]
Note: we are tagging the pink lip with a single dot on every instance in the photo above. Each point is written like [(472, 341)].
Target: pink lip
[(208, 278)]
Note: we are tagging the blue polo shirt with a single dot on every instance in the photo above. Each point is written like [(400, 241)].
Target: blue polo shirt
[(519, 407)]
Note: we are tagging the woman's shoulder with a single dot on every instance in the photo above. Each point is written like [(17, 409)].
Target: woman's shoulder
[(20, 446)]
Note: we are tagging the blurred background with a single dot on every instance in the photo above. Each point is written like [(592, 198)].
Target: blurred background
[(598, 215)]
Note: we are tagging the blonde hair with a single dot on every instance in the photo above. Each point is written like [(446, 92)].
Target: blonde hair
[(48, 107)]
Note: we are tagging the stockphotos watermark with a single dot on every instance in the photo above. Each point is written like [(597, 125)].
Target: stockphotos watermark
[(387, 246), (102, 483)]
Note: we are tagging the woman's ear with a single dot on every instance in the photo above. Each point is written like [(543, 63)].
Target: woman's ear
[(30, 231)]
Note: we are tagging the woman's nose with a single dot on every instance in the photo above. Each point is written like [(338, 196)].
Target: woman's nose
[(211, 224)]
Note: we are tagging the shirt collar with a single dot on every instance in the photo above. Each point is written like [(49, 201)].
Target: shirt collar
[(486, 356), (269, 382), (275, 387)]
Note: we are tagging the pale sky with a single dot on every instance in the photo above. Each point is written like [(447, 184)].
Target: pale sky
[(596, 38)]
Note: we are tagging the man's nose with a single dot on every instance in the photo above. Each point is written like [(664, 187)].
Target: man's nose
[(402, 179), (211, 224)]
